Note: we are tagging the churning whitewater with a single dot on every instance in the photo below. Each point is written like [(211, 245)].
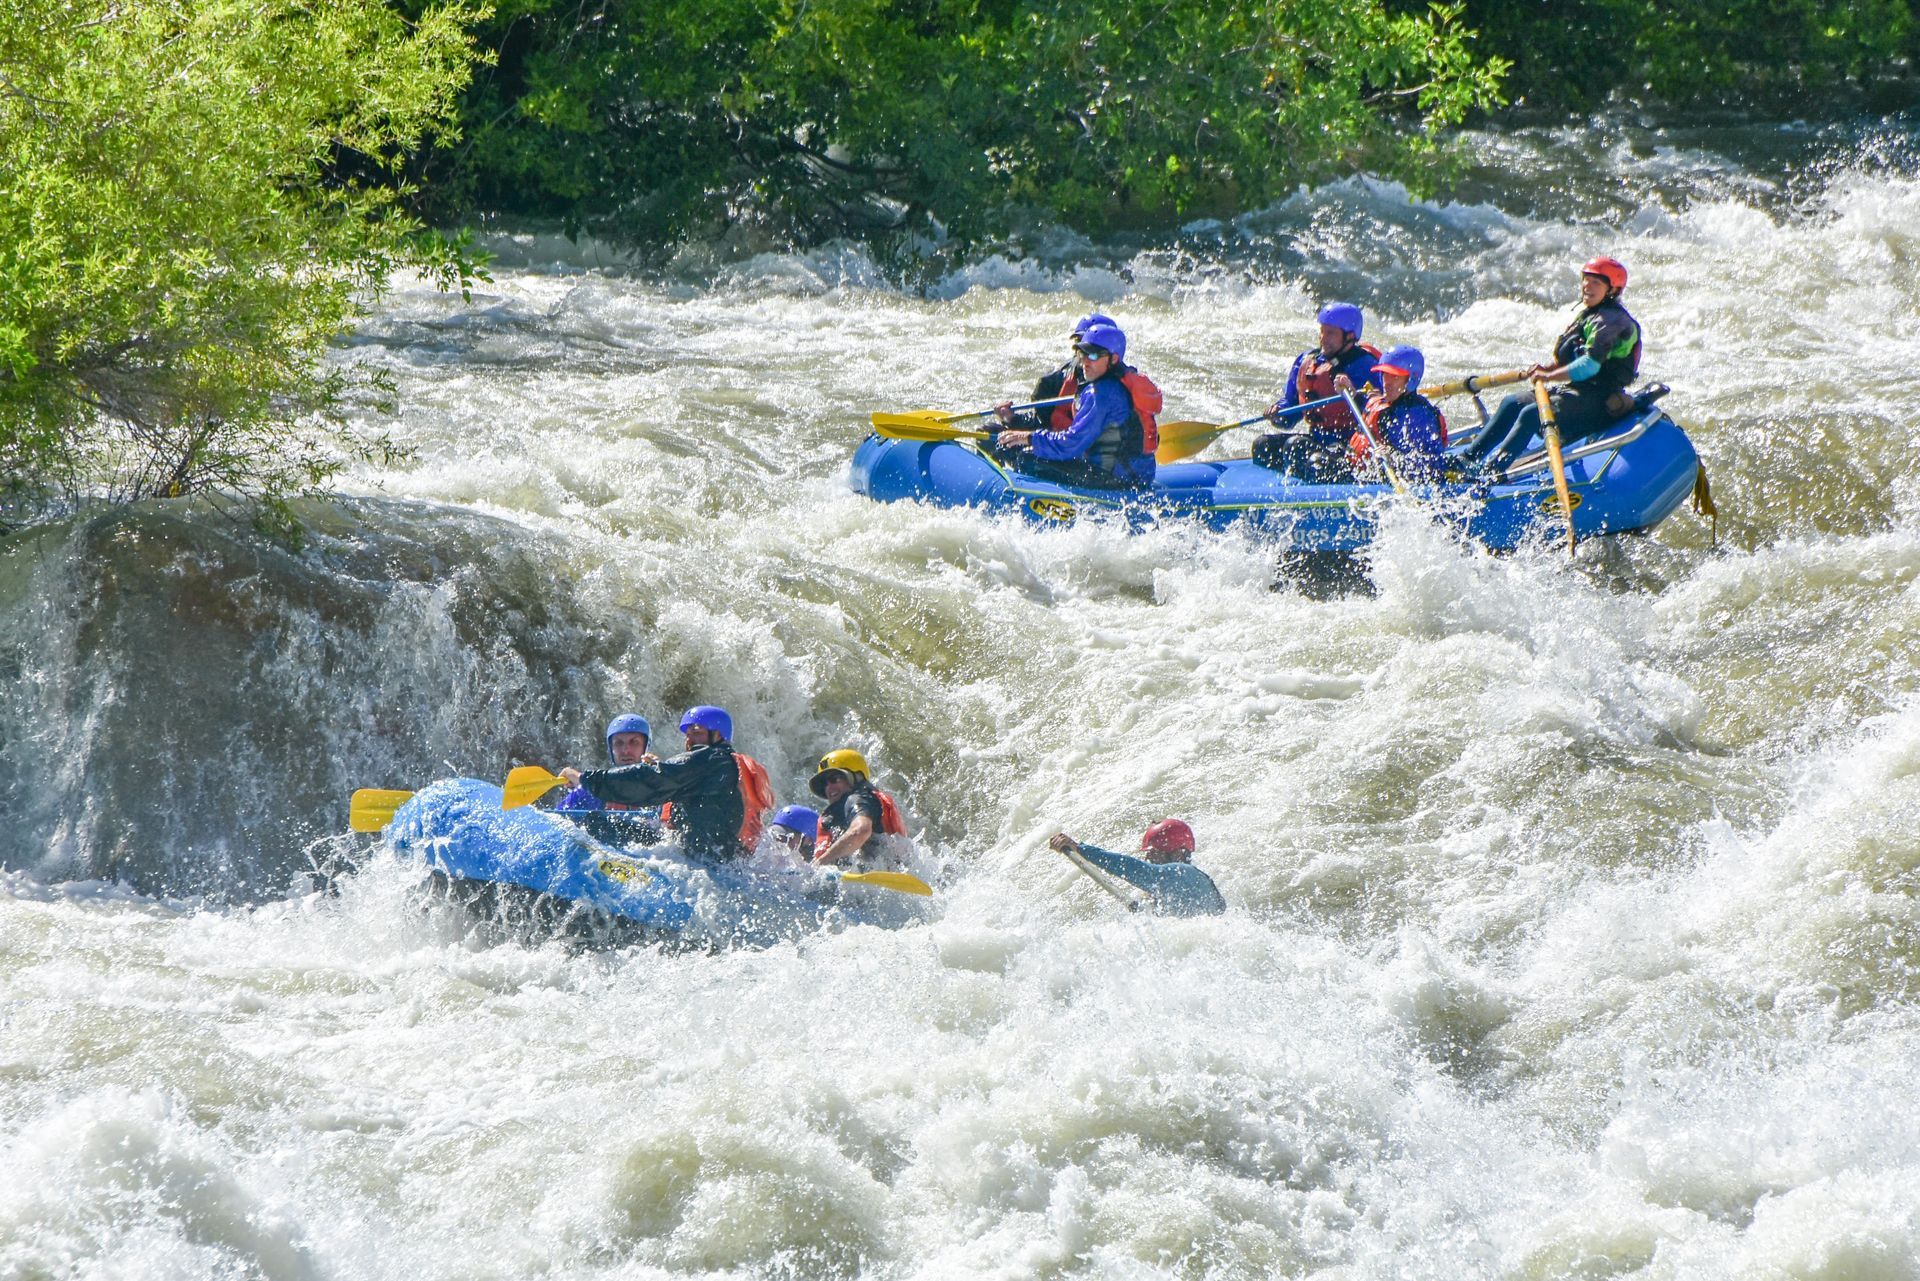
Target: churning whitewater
[(1572, 906)]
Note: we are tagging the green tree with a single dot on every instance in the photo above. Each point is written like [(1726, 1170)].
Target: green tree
[(196, 197), (660, 119)]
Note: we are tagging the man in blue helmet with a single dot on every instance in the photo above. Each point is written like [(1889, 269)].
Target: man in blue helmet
[(1317, 446), (1110, 440), (627, 737), (716, 798), (1060, 382), (793, 829)]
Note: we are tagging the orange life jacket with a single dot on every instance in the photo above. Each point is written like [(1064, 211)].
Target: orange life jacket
[(1147, 404), (756, 799)]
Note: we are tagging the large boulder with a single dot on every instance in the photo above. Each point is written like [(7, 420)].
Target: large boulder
[(185, 704)]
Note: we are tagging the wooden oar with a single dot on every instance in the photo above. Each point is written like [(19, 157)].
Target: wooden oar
[(1474, 383), (1184, 439), (1133, 897), (1550, 432), (372, 808), (526, 784), (904, 882), (911, 424)]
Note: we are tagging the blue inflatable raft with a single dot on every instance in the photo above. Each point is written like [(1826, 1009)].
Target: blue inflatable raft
[(1629, 477), (583, 876)]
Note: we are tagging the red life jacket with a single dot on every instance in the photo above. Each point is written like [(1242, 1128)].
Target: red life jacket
[(1315, 382), (890, 822), (1147, 404), (756, 799)]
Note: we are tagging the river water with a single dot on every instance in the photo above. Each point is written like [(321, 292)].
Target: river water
[(1573, 906)]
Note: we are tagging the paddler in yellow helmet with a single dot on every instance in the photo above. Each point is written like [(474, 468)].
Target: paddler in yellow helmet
[(856, 810)]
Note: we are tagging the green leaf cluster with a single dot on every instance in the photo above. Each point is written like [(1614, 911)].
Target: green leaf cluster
[(664, 119), (1757, 55), (196, 197)]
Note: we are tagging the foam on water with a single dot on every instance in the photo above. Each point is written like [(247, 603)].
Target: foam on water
[(1572, 904)]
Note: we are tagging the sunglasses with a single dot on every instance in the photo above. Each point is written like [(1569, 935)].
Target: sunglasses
[(1090, 353)]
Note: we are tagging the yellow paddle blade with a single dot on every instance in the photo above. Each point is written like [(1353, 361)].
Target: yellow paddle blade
[(1476, 382), (905, 882), (922, 427), (372, 808), (526, 784), (1184, 440)]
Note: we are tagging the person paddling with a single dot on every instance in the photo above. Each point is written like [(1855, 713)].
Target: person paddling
[(858, 816), (1597, 357), (1164, 868), (716, 798), (1410, 430), (1109, 441), (1340, 363)]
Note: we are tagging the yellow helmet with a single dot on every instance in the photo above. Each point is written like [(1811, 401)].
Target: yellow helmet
[(845, 760)]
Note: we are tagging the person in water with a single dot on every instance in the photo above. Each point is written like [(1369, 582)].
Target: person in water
[(716, 798), (627, 737), (1410, 431), (1341, 362), (859, 817), (793, 830), (1110, 439), (1164, 868), (1597, 357)]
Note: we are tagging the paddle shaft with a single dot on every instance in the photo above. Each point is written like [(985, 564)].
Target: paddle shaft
[(1185, 439), (1367, 431), (1134, 898), (1474, 383), (1550, 432)]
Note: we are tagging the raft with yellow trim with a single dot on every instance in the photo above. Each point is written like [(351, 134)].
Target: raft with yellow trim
[(1630, 476)]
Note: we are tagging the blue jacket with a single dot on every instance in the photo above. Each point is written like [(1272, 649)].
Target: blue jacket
[(1098, 406), (1410, 428), (1178, 889)]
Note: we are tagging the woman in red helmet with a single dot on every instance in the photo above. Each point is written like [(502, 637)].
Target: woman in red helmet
[(1164, 869), (1598, 357)]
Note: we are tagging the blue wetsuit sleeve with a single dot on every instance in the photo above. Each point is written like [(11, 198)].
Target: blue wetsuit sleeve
[(1582, 369), (1093, 412), (1290, 394), (1180, 889)]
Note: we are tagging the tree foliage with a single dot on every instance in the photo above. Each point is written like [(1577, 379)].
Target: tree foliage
[(664, 118), (1761, 55), (178, 241)]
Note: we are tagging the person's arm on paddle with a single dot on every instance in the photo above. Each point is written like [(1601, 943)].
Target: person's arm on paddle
[(848, 843)]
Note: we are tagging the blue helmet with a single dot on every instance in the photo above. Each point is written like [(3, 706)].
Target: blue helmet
[(1089, 320), (798, 818), (627, 723), (1106, 336), (709, 718), (1404, 360), (1343, 315)]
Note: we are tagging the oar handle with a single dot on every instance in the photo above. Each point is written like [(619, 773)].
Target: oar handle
[(1474, 383)]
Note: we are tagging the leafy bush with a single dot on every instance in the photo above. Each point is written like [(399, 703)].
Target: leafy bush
[(174, 256)]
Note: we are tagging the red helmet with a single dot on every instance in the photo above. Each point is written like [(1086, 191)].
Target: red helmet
[(1168, 836), (1611, 270)]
